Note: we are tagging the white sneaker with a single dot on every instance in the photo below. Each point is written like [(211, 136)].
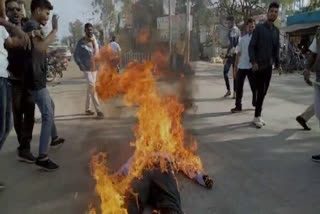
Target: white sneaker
[(263, 122), (257, 122)]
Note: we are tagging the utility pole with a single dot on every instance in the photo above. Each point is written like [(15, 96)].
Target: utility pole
[(188, 30), (170, 28)]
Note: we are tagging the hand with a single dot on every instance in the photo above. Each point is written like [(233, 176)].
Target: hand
[(255, 67), (306, 74), (55, 19)]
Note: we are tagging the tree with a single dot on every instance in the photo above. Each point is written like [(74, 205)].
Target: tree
[(76, 31)]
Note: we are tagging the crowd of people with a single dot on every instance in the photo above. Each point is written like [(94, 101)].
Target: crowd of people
[(254, 54)]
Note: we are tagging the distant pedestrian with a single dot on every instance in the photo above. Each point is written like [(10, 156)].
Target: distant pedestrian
[(234, 36), (179, 49), (116, 61), (264, 53), (243, 67), (86, 49), (314, 65)]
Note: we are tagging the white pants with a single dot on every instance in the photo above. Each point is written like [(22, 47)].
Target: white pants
[(317, 101), (91, 94)]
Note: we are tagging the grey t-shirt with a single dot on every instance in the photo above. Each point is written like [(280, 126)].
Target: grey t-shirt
[(313, 48)]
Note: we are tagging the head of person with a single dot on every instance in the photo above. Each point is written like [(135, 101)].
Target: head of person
[(113, 38), (251, 24), (40, 10), (230, 21), (13, 11), (273, 12), (88, 30)]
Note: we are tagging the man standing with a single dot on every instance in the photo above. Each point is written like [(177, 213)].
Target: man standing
[(179, 49), (117, 50), (35, 79), (22, 103), (234, 35), (264, 52), (314, 65), (243, 67), (20, 40), (86, 49)]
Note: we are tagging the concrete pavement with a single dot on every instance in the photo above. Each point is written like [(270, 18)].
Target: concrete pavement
[(265, 171)]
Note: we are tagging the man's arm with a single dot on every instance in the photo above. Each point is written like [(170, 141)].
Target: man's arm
[(253, 48), (277, 53), (42, 45), (77, 57), (3, 9)]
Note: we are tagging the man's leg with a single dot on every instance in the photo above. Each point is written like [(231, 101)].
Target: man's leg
[(263, 82), (92, 78), (225, 74), (5, 110), (305, 117), (88, 100), (241, 76), (316, 158), (17, 110), (252, 84), (44, 102), (28, 120)]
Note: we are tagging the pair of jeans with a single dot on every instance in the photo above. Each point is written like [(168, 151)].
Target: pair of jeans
[(317, 101), (5, 110), (23, 108), (263, 78), (230, 61), (241, 76), (48, 127), (309, 112)]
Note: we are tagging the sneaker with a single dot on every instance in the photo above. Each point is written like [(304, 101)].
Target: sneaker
[(236, 110), (26, 157), (57, 141), (316, 158), (2, 186), (89, 112), (303, 123), (263, 122), (257, 122), (227, 94), (100, 115), (47, 165)]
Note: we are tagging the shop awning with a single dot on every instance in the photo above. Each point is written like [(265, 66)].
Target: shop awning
[(298, 27), (304, 18)]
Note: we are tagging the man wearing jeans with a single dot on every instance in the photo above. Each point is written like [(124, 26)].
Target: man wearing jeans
[(264, 53), (35, 79), (314, 65), (245, 67), (85, 51)]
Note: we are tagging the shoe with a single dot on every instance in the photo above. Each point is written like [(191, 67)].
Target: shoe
[(89, 112), (316, 158), (57, 141), (26, 157), (234, 95), (2, 186), (257, 122), (47, 165), (100, 115), (227, 94), (303, 123), (236, 110), (263, 122)]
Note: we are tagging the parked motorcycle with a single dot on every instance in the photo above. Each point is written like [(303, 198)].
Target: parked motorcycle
[(56, 65)]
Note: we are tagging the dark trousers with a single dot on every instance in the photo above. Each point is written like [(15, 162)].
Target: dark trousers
[(226, 69), (241, 76), (23, 115), (263, 78), (157, 189), (180, 62)]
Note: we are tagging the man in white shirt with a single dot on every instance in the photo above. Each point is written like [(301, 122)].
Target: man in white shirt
[(117, 50), (314, 65), (243, 67)]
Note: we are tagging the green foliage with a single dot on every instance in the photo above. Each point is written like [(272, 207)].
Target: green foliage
[(76, 31)]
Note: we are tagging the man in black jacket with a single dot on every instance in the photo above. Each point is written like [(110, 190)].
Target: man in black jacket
[(22, 103), (264, 53)]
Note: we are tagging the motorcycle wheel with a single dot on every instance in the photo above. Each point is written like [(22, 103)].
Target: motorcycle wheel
[(51, 75)]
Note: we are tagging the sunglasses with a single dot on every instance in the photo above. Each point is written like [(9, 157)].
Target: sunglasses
[(12, 9)]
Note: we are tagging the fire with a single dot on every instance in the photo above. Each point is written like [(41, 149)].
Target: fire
[(159, 130), (143, 36)]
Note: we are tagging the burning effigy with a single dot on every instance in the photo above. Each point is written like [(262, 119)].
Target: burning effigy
[(161, 146)]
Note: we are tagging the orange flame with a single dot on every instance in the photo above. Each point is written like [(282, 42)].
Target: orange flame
[(143, 36), (159, 129)]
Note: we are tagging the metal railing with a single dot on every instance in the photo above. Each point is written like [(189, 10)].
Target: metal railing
[(134, 56)]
